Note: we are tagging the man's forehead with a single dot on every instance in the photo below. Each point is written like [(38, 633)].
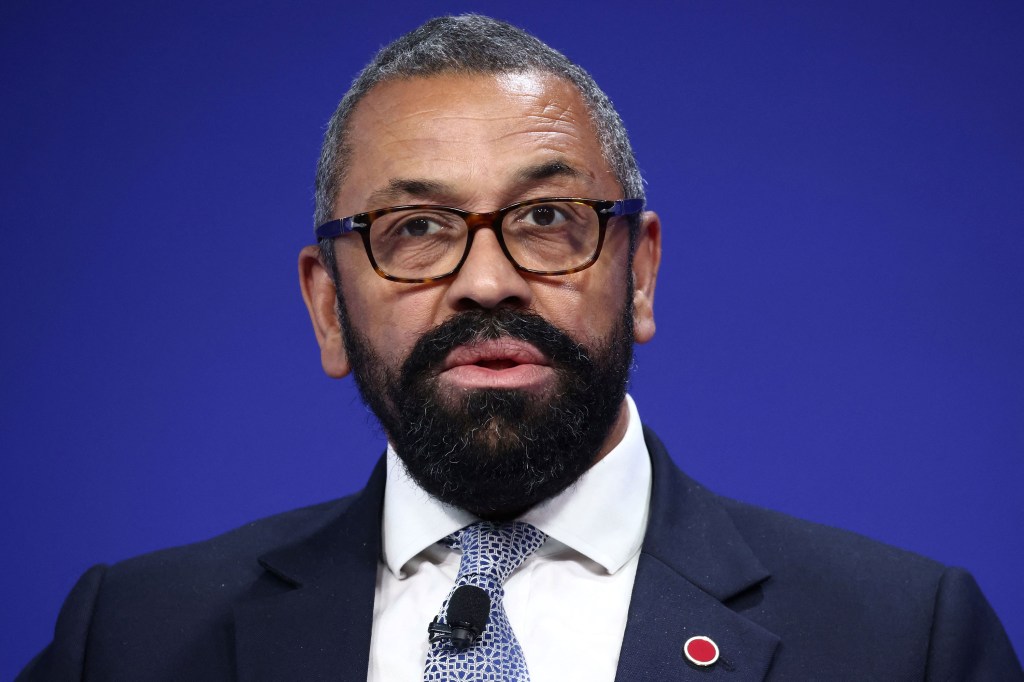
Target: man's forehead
[(438, 97), (420, 136)]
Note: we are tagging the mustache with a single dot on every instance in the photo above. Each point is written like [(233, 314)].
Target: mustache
[(474, 326)]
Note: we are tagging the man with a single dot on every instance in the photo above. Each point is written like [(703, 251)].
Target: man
[(484, 265)]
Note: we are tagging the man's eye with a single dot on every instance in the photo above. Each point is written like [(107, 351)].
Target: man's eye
[(419, 227), (545, 216)]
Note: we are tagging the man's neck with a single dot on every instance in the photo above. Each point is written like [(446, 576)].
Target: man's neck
[(616, 433)]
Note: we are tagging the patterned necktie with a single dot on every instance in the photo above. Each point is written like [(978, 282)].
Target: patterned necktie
[(490, 552)]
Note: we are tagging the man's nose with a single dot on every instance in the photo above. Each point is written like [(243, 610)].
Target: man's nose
[(487, 278)]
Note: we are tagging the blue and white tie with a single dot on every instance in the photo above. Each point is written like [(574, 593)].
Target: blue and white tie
[(490, 552)]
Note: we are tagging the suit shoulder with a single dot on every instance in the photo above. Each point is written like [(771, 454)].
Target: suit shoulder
[(134, 619), (827, 587), (226, 558), (781, 540), (819, 574), (806, 557)]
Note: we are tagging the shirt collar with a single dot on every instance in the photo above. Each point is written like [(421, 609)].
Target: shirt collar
[(602, 516)]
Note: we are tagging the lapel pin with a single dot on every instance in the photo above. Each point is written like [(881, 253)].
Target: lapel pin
[(701, 650)]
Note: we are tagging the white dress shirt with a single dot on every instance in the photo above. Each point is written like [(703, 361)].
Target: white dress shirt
[(567, 603)]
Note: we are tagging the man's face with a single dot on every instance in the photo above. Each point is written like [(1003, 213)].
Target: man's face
[(492, 371)]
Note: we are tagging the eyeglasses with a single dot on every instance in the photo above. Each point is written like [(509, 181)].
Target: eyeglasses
[(413, 244)]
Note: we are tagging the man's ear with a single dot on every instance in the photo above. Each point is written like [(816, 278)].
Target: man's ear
[(321, 299), (646, 259)]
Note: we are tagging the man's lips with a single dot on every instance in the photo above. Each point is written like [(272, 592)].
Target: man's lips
[(496, 363), (495, 351)]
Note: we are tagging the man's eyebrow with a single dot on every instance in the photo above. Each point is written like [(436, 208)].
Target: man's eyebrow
[(547, 170), (402, 190)]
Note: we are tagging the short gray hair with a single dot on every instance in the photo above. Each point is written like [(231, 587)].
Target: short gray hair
[(469, 44)]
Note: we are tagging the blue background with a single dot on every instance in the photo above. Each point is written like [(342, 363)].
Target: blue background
[(840, 308)]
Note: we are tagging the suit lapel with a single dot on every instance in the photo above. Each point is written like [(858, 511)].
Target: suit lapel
[(310, 616), (692, 562)]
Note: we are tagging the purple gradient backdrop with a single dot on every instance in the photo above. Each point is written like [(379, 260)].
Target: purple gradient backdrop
[(841, 305)]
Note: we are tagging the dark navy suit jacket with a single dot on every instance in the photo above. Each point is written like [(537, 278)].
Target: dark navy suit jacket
[(290, 598)]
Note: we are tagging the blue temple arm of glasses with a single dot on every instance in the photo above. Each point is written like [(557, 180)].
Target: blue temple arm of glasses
[(335, 228), (626, 207)]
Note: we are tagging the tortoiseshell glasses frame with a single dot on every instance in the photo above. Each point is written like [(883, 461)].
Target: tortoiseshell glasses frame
[(603, 210)]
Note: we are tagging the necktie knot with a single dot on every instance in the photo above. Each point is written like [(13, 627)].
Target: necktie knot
[(494, 550)]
